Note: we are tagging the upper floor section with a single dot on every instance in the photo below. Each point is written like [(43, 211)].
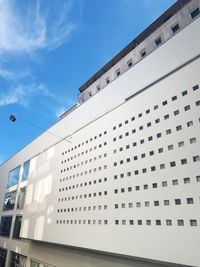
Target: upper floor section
[(177, 17)]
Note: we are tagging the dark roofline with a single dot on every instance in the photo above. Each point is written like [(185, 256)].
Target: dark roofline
[(141, 37)]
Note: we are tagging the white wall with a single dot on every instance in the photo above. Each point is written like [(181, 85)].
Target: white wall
[(151, 242)]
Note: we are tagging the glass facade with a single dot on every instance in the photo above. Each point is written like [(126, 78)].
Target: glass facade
[(21, 198), (5, 225), (13, 177), (35, 263), (25, 170), (3, 254), (9, 201), (17, 227), (17, 260)]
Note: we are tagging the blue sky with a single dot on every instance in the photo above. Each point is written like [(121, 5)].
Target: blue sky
[(48, 49)]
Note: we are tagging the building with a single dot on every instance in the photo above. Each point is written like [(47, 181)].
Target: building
[(123, 182)]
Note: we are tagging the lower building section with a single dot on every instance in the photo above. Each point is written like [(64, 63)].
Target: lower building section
[(48, 255)]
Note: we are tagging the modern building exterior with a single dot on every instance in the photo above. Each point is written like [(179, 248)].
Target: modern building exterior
[(117, 178)]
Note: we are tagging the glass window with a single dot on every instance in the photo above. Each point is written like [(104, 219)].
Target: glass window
[(3, 254), (5, 226), (13, 177), (25, 170), (195, 13), (21, 198), (17, 227), (17, 260), (9, 201)]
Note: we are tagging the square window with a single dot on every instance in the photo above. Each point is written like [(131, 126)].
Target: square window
[(130, 204), (138, 204), (189, 123), (134, 130), (126, 122), (175, 28), (190, 200), (162, 166), (160, 150), (129, 189), (169, 131), (147, 111), (146, 203), (176, 112), (131, 222), (137, 188), (193, 140), (170, 147), (177, 201), (164, 103), (193, 222), (153, 168), (151, 153), (166, 117), (166, 202), (172, 164), (146, 185), (139, 222), (186, 108), (133, 118), (196, 158), (178, 128), (184, 93), (130, 63), (141, 128), (142, 141), (164, 183), (175, 182), (181, 144), (196, 87), (157, 121), (174, 98), (156, 203), (139, 115), (143, 53), (150, 138), (158, 41), (107, 80), (186, 180), (198, 103), (168, 222), (183, 161), (158, 222), (149, 124), (118, 72), (154, 185), (159, 135), (155, 107), (195, 13), (143, 155), (148, 222), (180, 222)]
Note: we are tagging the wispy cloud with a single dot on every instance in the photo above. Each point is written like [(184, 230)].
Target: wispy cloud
[(21, 94), (26, 30), (32, 28)]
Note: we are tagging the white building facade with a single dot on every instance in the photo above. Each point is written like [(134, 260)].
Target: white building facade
[(123, 182)]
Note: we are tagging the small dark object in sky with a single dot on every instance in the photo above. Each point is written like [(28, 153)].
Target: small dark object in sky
[(12, 118)]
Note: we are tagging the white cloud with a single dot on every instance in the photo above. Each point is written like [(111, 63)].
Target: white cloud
[(29, 28), (21, 94)]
